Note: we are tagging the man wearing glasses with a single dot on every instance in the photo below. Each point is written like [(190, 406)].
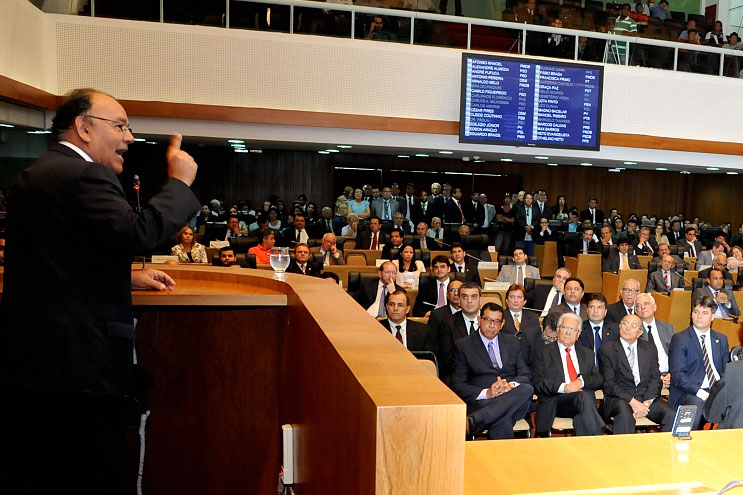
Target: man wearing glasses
[(67, 318), (626, 305), (491, 377), (565, 378), (632, 381)]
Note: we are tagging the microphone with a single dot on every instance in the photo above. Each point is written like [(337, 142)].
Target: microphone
[(135, 180)]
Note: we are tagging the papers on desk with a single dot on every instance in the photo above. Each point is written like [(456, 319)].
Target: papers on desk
[(218, 244), (497, 285), (491, 249), (487, 265), (161, 258)]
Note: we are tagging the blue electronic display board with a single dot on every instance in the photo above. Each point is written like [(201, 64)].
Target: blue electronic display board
[(527, 102)]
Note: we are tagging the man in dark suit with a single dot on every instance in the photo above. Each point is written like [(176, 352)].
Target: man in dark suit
[(665, 279), (632, 382), (725, 402), (453, 209), (621, 258), (413, 212), (326, 224), (372, 294), (530, 343), (574, 290), (587, 244), (689, 245), (592, 213), (697, 358), (302, 263), (440, 316), (565, 379), (68, 327), (463, 263), (545, 297), (373, 237), (645, 245), (474, 211), (724, 298), (597, 329), (526, 222), (655, 331), (395, 242), (427, 211), (413, 335), (491, 378), (626, 304), (463, 323), (432, 294), (675, 234), (421, 240), (290, 236)]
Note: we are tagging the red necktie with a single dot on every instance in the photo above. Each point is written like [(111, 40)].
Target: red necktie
[(374, 241), (665, 279), (571, 369), (459, 205)]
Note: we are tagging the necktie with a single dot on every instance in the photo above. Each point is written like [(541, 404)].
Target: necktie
[(328, 228), (520, 275), (692, 251), (382, 309), (491, 353), (707, 365), (299, 236), (302, 267), (441, 300), (650, 334), (386, 210), (575, 310), (327, 258), (459, 205), (593, 216), (631, 311), (374, 242), (585, 247), (516, 321), (596, 339), (459, 268), (625, 263), (472, 327), (398, 335), (423, 243), (723, 309), (572, 374), (667, 281), (555, 300), (436, 233), (631, 357)]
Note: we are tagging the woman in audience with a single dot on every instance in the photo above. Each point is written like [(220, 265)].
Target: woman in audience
[(505, 216), (560, 210), (206, 216), (408, 269), (618, 228), (660, 237), (273, 219), (312, 213), (359, 205), (736, 258), (187, 249), (341, 203)]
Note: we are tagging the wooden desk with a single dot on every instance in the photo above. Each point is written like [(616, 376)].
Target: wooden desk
[(730, 329), (547, 258), (690, 275), (235, 354), (371, 255), (586, 267), (621, 464), (612, 283), (674, 309), (644, 259)]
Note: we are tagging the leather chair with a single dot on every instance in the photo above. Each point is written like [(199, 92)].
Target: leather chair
[(697, 283), (243, 244), (314, 242), (355, 278), (531, 283), (655, 265), (508, 260), (245, 260), (558, 225)]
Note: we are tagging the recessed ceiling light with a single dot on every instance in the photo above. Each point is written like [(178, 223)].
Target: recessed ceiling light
[(586, 164), (140, 140), (620, 168), (732, 173), (614, 170), (443, 152), (6, 125), (403, 156), (630, 163), (506, 159), (235, 145), (150, 142), (542, 157), (237, 141), (479, 161), (552, 164), (240, 150), (323, 152), (332, 150), (686, 172), (713, 169), (422, 155), (661, 169), (38, 132), (344, 146)]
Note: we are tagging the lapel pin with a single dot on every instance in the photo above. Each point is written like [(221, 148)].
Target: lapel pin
[(717, 341)]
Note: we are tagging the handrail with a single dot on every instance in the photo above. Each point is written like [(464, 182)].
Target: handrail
[(472, 21)]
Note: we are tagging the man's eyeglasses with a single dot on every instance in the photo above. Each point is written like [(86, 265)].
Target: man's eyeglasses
[(633, 326), (120, 126), (631, 291), (569, 329), (490, 321)]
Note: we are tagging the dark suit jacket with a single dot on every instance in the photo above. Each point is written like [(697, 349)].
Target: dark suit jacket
[(609, 331), (619, 383), (312, 269), (725, 402), (548, 375), (437, 319), (66, 308), (644, 249), (686, 364), (615, 312), (474, 372), (529, 319), (363, 239), (520, 222), (733, 310), (542, 237), (530, 339), (367, 292), (451, 330), (672, 238), (705, 274), (683, 246), (593, 248), (386, 250), (452, 214), (611, 263), (431, 244), (537, 297), (656, 283), (586, 215), (665, 331), (471, 274), (320, 228), (377, 208), (418, 335), (564, 308), (427, 292)]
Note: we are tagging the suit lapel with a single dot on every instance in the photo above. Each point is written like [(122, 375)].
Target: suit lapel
[(622, 358), (480, 350)]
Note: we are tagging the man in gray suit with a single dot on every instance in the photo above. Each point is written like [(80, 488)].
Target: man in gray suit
[(726, 304), (656, 331), (385, 207), (705, 258), (519, 271), (665, 279), (574, 290)]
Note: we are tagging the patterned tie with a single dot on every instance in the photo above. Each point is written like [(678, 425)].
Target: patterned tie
[(723, 309), (625, 263), (631, 357), (571, 368), (398, 335), (382, 308), (459, 205), (667, 281), (423, 243), (302, 267), (491, 353), (386, 210), (520, 275), (516, 321), (692, 251), (374, 242), (442, 299), (707, 365)]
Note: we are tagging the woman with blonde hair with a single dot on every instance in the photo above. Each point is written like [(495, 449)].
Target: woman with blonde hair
[(187, 249)]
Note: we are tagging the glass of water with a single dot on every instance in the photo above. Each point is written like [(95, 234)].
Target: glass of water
[(279, 262)]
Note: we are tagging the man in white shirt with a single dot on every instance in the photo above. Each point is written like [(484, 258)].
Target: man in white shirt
[(436, 231), (574, 290), (665, 279), (726, 303), (626, 305), (372, 293), (413, 335), (548, 297), (658, 332), (519, 271), (352, 227)]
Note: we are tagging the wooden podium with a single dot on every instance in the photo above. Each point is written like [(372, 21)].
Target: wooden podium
[(235, 354), (612, 283), (586, 267)]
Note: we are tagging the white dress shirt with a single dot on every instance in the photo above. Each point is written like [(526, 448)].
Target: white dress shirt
[(662, 356), (565, 374), (403, 330), (635, 365)]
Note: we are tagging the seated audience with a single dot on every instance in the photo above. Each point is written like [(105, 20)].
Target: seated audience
[(544, 233), (302, 264), (656, 332), (436, 231), (291, 236), (413, 335), (544, 297), (519, 271), (665, 278), (351, 229), (736, 258), (227, 256), (720, 262), (329, 251), (372, 294), (408, 269), (597, 329), (462, 264), (626, 304), (233, 228), (395, 242), (373, 238), (262, 251), (187, 249), (574, 290), (724, 298), (645, 244), (621, 258)]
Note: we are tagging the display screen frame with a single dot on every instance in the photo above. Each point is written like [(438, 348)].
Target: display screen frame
[(528, 143)]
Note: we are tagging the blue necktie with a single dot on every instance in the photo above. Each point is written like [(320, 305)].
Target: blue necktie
[(491, 353)]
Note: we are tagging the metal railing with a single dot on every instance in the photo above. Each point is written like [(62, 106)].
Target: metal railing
[(521, 40)]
